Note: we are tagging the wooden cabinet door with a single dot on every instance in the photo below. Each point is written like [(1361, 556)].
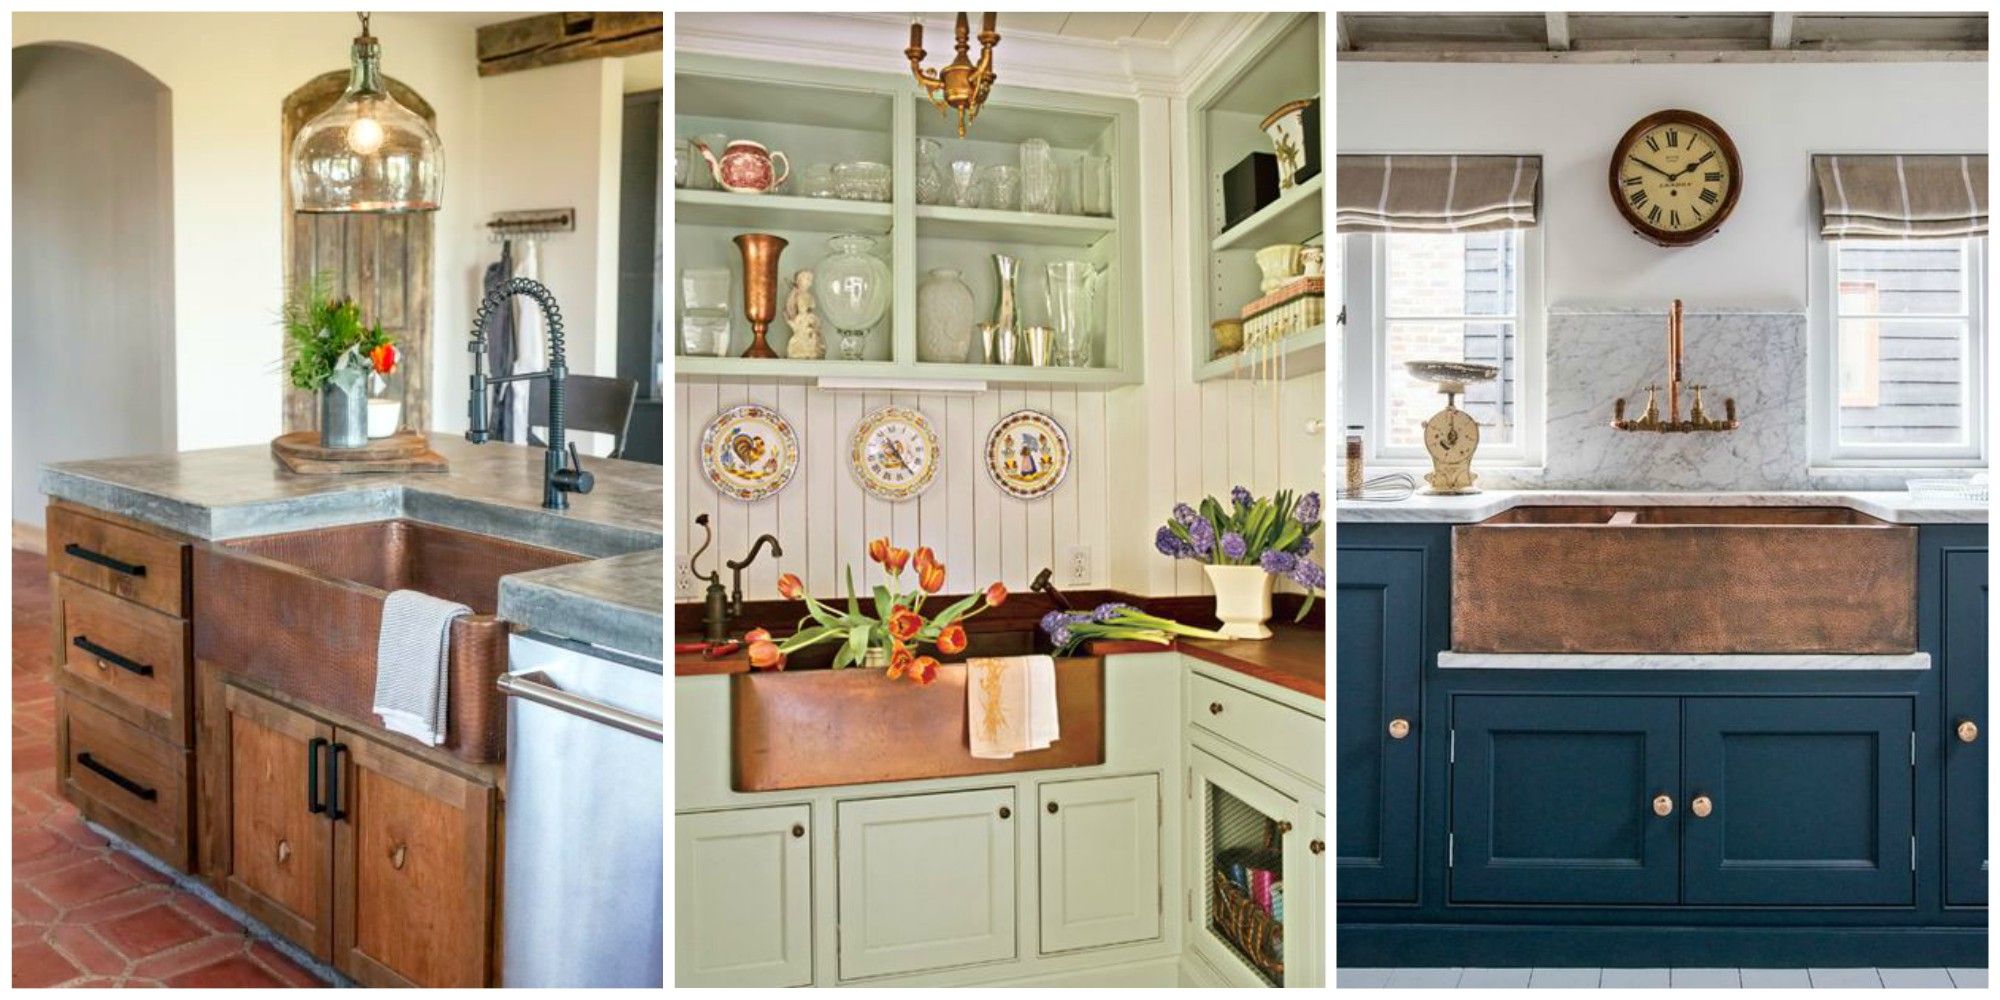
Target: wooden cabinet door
[(278, 861), (1378, 661), (413, 869), (1809, 801), (1100, 862), (743, 897), (1553, 799), (926, 881), (1962, 658)]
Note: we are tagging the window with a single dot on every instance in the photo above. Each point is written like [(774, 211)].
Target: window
[(1453, 297), (1900, 380)]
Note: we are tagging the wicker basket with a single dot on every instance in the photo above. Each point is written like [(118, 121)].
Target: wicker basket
[(1256, 936)]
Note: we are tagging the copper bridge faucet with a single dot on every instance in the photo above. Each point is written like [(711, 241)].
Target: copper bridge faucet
[(1698, 418)]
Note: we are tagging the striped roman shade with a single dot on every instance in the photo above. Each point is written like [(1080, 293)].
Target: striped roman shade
[(1436, 193), (1901, 197)]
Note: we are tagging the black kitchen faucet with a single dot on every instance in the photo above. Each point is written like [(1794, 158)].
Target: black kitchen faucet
[(558, 478)]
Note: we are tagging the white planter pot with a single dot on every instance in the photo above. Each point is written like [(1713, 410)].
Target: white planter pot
[(1242, 600)]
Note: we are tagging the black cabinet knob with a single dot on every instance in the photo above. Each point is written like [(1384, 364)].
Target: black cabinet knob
[(1053, 809), (1005, 812), (798, 830)]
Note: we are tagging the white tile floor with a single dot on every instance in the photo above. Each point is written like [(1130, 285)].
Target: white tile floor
[(1660, 978)]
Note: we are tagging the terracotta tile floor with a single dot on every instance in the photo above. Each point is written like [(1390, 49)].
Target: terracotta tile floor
[(85, 914)]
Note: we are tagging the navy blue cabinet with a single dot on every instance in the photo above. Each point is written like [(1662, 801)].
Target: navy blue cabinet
[(1799, 801), (1961, 656), (1565, 799), (1379, 658)]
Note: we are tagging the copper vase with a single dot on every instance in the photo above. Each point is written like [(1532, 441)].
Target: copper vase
[(760, 287)]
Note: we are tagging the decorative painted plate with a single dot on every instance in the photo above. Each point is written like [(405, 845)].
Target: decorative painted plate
[(1027, 454), (749, 452), (895, 453)]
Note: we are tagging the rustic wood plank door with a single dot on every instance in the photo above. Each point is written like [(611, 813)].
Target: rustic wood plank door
[(279, 854)]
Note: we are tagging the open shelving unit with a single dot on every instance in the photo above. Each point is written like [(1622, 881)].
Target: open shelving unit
[(823, 115), (1283, 61)]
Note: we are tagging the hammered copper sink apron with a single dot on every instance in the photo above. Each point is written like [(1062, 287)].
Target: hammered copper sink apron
[(1684, 580), (300, 612)]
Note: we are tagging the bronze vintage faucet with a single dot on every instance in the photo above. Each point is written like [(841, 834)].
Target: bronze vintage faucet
[(1698, 419), (720, 606)]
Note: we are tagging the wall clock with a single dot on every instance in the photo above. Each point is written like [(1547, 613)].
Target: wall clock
[(895, 453), (1675, 176)]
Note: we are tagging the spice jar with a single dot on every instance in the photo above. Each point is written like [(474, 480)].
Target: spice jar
[(1354, 474)]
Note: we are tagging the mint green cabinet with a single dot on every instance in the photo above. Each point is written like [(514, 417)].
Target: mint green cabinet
[(743, 897), (1100, 862), (926, 881)]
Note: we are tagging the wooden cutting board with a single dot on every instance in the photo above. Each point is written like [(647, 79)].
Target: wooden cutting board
[(405, 451)]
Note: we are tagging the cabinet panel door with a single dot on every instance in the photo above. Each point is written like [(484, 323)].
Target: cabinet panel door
[(1962, 657), (926, 881), (1100, 862), (413, 870), (1378, 659), (279, 857), (1809, 801), (743, 897), (1553, 800)]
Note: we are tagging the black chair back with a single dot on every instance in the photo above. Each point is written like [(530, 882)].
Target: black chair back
[(590, 403)]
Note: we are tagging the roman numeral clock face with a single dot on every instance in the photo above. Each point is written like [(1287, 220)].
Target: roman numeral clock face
[(1675, 177)]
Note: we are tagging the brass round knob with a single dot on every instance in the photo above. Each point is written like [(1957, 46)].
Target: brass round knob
[(1215, 708), (1399, 728), (1663, 805), (1005, 812), (1317, 846), (1968, 731), (798, 829), (1284, 827), (1052, 809), (1702, 806), (284, 851), (398, 856)]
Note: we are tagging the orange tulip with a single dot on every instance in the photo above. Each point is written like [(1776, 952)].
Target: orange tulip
[(790, 587), (764, 654), (951, 641), (924, 558), (896, 560), (924, 670), (931, 578), (878, 550), (900, 661), (904, 623), (996, 594)]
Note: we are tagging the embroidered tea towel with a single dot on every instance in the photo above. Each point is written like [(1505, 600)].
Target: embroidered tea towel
[(412, 658), (1010, 704)]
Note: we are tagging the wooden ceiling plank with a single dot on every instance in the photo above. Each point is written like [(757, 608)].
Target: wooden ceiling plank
[(551, 39)]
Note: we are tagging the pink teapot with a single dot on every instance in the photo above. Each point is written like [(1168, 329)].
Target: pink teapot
[(745, 167)]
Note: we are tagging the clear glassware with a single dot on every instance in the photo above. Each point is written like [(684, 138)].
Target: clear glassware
[(854, 289), (705, 320), (1039, 180), (1000, 187), (965, 183), (1093, 185), (1068, 295), (366, 153), (700, 177), (817, 181), (680, 163), (861, 180), (930, 179)]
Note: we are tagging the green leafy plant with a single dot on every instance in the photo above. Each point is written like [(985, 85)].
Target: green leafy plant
[(324, 335)]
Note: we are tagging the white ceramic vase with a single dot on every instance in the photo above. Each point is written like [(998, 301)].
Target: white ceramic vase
[(945, 317), (1242, 600)]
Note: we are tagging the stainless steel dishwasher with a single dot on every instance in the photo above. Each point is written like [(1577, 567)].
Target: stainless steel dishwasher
[(585, 818)]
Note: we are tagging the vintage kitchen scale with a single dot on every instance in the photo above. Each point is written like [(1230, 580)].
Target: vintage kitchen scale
[(1451, 436)]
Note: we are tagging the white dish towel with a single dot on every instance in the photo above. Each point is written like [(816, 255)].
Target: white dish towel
[(412, 660), (1010, 705)]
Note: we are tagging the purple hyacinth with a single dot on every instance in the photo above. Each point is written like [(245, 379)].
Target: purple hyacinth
[(1279, 563), (1240, 496), (1307, 512), (1304, 548), (1185, 515), (1233, 545), (1310, 575), (1202, 536), (1108, 610), (1170, 544), (1054, 620)]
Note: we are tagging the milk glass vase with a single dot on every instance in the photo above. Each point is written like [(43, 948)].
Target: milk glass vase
[(854, 289), (945, 316)]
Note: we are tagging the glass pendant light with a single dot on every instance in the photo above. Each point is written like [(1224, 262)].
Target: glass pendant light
[(367, 153)]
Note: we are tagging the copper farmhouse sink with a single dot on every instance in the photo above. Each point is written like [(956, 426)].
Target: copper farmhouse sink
[(1683, 580), (300, 613)]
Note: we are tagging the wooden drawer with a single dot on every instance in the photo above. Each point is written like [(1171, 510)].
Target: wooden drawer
[(131, 659), (133, 784), (1285, 736), (135, 564)]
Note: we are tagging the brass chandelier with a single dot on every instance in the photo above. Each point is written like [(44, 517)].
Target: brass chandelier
[(962, 85)]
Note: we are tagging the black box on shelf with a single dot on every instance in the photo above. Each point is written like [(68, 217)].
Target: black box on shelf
[(1248, 186)]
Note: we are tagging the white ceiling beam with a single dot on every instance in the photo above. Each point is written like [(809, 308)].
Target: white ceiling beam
[(1781, 31), (1558, 31)]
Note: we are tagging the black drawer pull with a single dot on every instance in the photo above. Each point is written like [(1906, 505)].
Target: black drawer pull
[(114, 565), (123, 662), (117, 779), (313, 803), (333, 752)]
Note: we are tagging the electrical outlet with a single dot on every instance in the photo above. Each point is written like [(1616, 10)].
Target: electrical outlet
[(1079, 566), (684, 581)]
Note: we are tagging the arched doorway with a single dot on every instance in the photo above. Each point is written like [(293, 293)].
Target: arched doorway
[(93, 262), (382, 262)]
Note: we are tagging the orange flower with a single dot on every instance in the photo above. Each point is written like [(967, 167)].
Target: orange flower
[(924, 670), (764, 654), (951, 641), (996, 594), (904, 623), (900, 661), (790, 587), (924, 558), (896, 560), (931, 577), (878, 550)]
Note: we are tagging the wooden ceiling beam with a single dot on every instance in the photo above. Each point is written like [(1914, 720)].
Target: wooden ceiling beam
[(553, 39)]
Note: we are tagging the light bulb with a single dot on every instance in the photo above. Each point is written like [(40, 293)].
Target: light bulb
[(364, 136)]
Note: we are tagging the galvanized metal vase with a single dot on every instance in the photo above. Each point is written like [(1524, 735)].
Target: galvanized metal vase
[(343, 412)]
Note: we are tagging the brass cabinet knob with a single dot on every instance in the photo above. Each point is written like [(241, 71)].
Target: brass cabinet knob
[(1005, 812), (1317, 846), (1702, 806), (398, 856), (1968, 731), (1284, 827), (1215, 708), (1663, 805), (1399, 728), (798, 829), (1053, 809), (284, 851)]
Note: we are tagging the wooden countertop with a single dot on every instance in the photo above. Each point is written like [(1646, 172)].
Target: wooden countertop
[(1293, 657)]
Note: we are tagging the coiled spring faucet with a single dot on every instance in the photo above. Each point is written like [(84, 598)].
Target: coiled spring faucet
[(558, 478)]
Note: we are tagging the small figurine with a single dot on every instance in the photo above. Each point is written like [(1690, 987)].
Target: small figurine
[(806, 343)]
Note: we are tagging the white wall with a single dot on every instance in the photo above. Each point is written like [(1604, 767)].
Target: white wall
[(1778, 115), (93, 263)]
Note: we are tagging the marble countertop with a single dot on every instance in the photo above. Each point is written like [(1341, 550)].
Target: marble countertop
[(1895, 507), (493, 489)]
